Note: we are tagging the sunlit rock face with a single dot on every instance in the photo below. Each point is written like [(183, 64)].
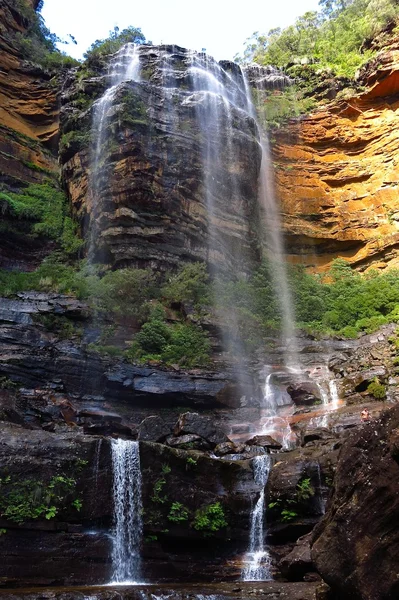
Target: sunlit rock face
[(337, 176), (179, 163), (28, 131)]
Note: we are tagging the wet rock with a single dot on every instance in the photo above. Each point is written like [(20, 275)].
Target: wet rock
[(153, 429), (188, 442), (202, 426), (311, 435), (228, 448), (356, 544), (265, 441), (305, 393)]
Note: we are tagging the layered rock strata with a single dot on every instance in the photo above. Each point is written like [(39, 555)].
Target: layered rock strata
[(337, 175), (158, 199)]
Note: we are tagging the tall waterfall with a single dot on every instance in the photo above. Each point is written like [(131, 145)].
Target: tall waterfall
[(125, 66), (257, 559), (127, 511)]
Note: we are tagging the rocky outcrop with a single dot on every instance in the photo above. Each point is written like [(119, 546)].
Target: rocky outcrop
[(28, 130), (157, 198), (356, 544), (337, 178)]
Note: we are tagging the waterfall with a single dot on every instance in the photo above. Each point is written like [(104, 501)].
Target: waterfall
[(332, 384), (257, 559), (127, 511), (125, 66)]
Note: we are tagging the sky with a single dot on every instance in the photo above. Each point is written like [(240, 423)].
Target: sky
[(219, 26)]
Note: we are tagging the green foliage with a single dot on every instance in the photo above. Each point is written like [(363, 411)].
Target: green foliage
[(189, 286), (7, 384), (377, 389), (181, 343), (304, 489), (43, 208), (191, 462), (158, 497), (178, 513), (62, 326), (38, 44), (209, 519), (332, 39), (124, 292), (114, 42), (23, 500)]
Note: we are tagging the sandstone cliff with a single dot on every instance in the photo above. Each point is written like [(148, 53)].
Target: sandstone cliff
[(28, 128), (337, 175)]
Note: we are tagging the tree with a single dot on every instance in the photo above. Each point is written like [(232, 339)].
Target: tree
[(114, 41)]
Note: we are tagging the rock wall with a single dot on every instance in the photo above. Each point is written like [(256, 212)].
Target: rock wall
[(337, 175), (28, 129), (149, 204)]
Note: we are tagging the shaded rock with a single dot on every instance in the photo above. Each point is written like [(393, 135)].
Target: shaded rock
[(305, 393), (153, 429), (298, 562), (228, 448), (188, 442), (202, 426), (311, 435), (355, 546), (265, 441)]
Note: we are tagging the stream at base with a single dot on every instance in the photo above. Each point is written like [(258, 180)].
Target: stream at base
[(226, 591)]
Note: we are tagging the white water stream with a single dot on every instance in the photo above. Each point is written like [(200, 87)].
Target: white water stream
[(257, 560), (128, 529)]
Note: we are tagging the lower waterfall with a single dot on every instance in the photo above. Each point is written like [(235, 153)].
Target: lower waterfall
[(257, 559), (126, 563)]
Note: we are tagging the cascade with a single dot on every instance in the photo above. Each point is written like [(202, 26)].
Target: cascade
[(257, 559), (125, 66), (332, 384), (127, 511)]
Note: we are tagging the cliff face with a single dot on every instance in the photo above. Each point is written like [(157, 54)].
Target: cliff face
[(337, 175), (154, 184), (28, 126)]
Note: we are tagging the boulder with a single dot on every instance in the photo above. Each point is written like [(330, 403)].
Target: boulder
[(153, 429), (304, 393), (200, 425), (228, 448), (187, 442), (356, 545), (298, 562), (266, 441)]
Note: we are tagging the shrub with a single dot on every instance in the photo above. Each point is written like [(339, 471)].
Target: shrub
[(189, 285), (209, 519), (377, 389), (114, 42), (178, 513)]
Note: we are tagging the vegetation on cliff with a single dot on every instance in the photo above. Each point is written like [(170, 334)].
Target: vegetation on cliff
[(38, 43), (335, 38)]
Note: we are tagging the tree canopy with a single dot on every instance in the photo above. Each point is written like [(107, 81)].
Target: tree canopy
[(332, 38)]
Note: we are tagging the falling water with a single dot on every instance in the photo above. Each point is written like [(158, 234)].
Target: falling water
[(125, 66), (96, 462), (127, 511), (274, 423), (257, 559), (332, 384)]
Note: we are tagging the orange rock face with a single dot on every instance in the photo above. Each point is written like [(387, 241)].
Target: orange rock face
[(337, 176), (28, 107)]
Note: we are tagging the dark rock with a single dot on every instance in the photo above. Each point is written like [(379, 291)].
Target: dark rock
[(355, 546), (202, 426), (298, 562), (188, 442), (266, 441), (305, 393), (311, 435), (153, 429), (228, 448)]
